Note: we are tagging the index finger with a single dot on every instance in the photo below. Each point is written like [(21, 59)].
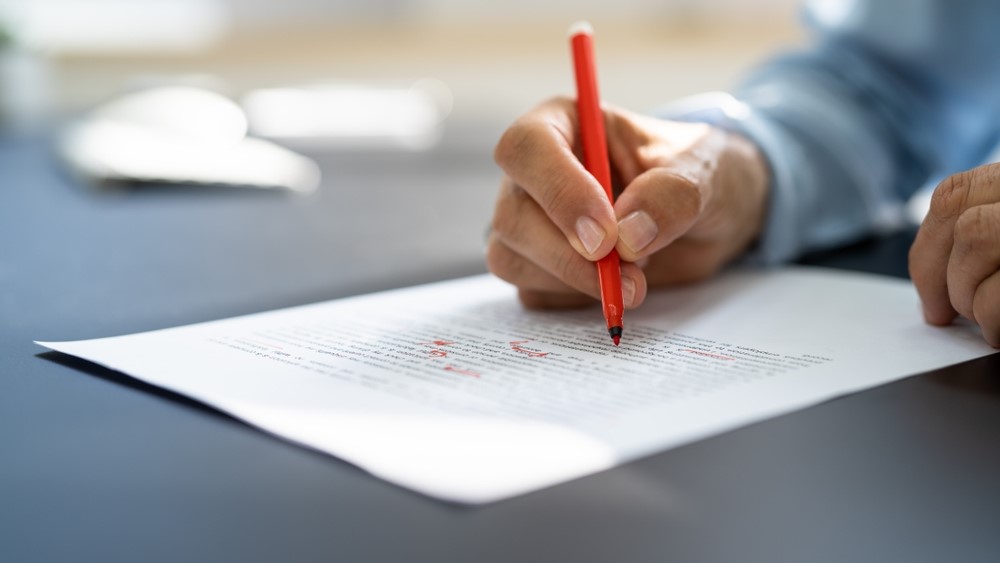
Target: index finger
[(536, 152)]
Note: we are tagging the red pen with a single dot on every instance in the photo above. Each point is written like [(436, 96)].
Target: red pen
[(595, 160)]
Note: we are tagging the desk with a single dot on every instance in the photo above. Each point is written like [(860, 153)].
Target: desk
[(97, 467)]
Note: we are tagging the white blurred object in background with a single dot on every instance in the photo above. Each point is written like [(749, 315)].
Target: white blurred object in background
[(117, 26), (351, 116), (180, 135), (36, 31)]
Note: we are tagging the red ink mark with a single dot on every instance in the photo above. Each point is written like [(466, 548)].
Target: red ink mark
[(437, 353), (515, 345), (708, 355), (461, 371)]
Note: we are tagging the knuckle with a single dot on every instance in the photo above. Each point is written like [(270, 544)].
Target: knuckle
[(685, 196), (517, 141), (951, 194), (667, 194), (690, 193), (977, 228), (561, 102), (533, 130)]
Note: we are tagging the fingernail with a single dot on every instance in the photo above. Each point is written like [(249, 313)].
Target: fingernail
[(591, 234), (637, 230), (628, 291)]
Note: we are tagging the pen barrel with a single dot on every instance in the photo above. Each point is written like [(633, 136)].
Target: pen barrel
[(595, 159), (588, 108), (609, 271)]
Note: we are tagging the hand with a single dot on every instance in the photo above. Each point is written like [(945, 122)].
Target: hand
[(692, 198), (955, 259)]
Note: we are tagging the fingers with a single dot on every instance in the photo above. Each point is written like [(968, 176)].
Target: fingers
[(666, 200), (692, 186), (525, 244), (536, 152), (633, 293), (527, 250), (539, 289), (975, 256), (711, 187), (928, 259), (930, 254), (656, 208), (986, 308)]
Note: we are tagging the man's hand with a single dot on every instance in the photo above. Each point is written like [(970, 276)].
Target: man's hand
[(692, 198), (955, 260)]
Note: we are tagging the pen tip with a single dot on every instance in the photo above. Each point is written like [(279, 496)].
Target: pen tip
[(616, 334)]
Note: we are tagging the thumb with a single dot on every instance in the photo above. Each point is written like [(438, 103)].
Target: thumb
[(658, 207)]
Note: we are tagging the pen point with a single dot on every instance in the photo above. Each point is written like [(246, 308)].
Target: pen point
[(616, 334)]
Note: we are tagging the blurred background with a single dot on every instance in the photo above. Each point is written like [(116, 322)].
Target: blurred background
[(376, 120), (492, 60)]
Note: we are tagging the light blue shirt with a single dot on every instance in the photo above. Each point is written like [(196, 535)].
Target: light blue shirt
[(892, 94)]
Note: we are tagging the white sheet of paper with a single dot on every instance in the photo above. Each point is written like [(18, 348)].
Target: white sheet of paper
[(454, 390)]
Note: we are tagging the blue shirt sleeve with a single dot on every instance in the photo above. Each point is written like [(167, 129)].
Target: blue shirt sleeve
[(892, 94)]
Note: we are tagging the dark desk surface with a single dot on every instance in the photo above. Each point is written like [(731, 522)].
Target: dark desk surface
[(97, 467)]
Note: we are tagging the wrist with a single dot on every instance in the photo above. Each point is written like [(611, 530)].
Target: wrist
[(746, 172)]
